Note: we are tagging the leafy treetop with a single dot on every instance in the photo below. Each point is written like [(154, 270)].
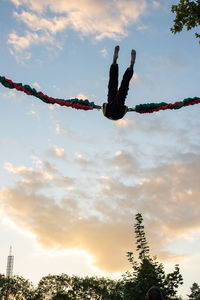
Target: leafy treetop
[(187, 14)]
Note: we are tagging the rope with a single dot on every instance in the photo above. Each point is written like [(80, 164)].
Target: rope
[(86, 105)]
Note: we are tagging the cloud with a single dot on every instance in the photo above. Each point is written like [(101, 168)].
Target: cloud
[(33, 112), (42, 175), (82, 161), (58, 128), (20, 44), (124, 162), (156, 4), (124, 123), (16, 2), (9, 94), (36, 85), (62, 226), (82, 96), (172, 61), (37, 23), (57, 152), (98, 19), (61, 130), (104, 52), (31, 178), (98, 211), (167, 196), (19, 170), (142, 27), (136, 77)]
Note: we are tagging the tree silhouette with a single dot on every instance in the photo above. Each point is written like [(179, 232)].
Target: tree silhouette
[(187, 15), (195, 292), (147, 271)]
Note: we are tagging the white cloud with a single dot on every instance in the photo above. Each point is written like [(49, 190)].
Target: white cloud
[(34, 5), (19, 170), (104, 52), (41, 175), (124, 162), (136, 77), (21, 43), (58, 129), (57, 152), (36, 85), (33, 113), (156, 4), (124, 123), (98, 19), (9, 94), (37, 23), (82, 96), (131, 10), (82, 161), (142, 27), (53, 107), (16, 2)]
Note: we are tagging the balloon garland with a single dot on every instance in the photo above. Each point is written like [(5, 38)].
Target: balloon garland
[(74, 103), (153, 107), (86, 105)]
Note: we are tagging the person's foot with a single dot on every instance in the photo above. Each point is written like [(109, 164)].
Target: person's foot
[(133, 56), (115, 56)]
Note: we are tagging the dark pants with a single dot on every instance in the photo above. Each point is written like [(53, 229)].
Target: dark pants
[(115, 96)]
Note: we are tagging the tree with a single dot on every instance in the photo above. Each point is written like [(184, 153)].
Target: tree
[(187, 14), (145, 272), (195, 292), (15, 287), (61, 296), (95, 288), (141, 241), (52, 285), (148, 272), (64, 287)]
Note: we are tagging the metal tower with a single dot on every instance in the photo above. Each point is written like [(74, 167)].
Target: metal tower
[(10, 262)]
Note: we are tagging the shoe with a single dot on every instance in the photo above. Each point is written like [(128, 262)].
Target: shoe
[(115, 56), (133, 56)]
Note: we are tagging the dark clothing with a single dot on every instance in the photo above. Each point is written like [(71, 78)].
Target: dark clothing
[(115, 108)]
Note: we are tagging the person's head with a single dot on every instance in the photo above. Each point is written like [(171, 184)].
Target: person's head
[(154, 294)]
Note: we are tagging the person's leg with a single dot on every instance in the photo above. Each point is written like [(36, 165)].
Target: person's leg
[(133, 57), (115, 55), (124, 87), (113, 77), (123, 90)]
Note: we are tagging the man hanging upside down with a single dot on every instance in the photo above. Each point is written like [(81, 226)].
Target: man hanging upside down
[(115, 108)]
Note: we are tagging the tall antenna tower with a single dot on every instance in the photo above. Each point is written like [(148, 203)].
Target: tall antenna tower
[(10, 262)]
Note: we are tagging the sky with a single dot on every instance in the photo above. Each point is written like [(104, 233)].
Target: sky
[(72, 180)]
